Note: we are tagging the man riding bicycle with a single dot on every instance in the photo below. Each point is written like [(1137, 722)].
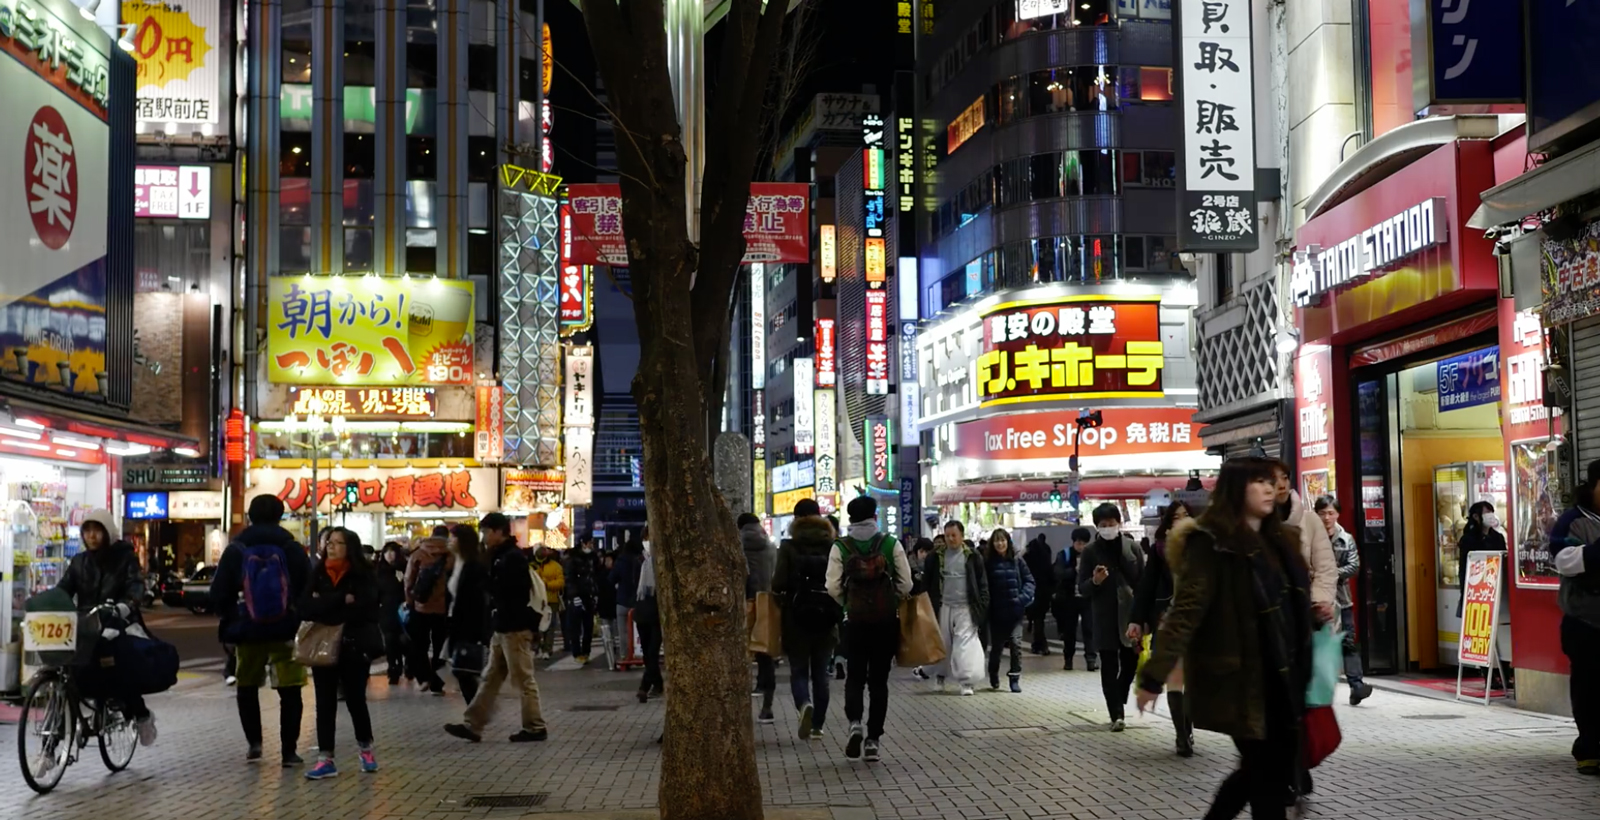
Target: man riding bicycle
[(108, 571)]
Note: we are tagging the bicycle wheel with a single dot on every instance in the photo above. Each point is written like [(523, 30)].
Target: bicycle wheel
[(46, 731), (118, 735)]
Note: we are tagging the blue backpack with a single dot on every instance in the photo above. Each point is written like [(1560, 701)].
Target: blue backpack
[(266, 584)]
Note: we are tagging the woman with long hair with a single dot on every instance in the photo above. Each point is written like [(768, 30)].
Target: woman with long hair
[(470, 627), (1241, 622), (1011, 590), (343, 591), (1150, 603)]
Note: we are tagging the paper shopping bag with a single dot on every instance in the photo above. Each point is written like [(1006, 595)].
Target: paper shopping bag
[(920, 644), (765, 624)]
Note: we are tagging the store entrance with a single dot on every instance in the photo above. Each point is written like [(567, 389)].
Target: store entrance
[(1430, 449)]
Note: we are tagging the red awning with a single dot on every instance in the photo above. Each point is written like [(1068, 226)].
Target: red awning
[(1001, 492), (84, 424)]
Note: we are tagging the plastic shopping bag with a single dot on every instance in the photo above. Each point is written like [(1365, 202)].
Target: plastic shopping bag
[(1327, 656), (1144, 655)]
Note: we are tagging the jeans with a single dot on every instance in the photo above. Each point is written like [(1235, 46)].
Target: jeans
[(1116, 678), (350, 674), (579, 632), (1350, 649), (872, 650), (428, 634), (1581, 643), (1004, 634), (510, 655), (808, 679)]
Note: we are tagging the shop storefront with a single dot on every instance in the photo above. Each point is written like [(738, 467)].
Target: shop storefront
[(178, 530), (1418, 396)]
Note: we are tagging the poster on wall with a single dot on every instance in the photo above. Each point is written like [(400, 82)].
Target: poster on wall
[(54, 154), (777, 224), (1470, 379), (369, 330), (1534, 510), (179, 58), (1480, 612)]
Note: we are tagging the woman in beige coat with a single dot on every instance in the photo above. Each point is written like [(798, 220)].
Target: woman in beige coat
[(1315, 547)]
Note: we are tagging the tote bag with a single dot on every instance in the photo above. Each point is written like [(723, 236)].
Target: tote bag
[(317, 644)]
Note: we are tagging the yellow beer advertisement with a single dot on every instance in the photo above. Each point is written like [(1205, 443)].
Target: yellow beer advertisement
[(369, 330)]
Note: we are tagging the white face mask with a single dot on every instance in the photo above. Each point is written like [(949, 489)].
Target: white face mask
[(1491, 520), (646, 544), (1110, 533)]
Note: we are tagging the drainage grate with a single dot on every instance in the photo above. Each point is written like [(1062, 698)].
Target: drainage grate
[(1432, 717), (1002, 731), (506, 801), (593, 707)]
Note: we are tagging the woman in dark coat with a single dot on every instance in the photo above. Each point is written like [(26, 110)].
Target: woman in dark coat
[(391, 572), (1150, 602), (810, 617), (1108, 570), (343, 591), (470, 626), (1241, 623), (1011, 592)]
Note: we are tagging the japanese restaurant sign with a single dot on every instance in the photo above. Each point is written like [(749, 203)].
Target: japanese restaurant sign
[(529, 489), (877, 342), (369, 330), (489, 438), (577, 284), (379, 490), (363, 402), (826, 471), (1080, 347), (1217, 203), (777, 224)]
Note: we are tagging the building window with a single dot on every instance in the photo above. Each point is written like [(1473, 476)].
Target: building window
[(294, 157), (296, 62), (481, 158), (358, 249), (422, 65), (1224, 277), (360, 60), (359, 161), (482, 68), (420, 160)]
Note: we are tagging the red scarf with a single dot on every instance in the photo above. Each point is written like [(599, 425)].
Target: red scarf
[(336, 568)]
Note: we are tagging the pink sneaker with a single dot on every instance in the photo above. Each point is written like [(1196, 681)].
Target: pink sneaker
[(369, 762)]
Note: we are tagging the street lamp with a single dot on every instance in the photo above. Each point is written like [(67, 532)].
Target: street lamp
[(316, 440)]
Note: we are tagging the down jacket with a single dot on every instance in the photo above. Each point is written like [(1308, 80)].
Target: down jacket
[(1316, 549), (1011, 586), (110, 573)]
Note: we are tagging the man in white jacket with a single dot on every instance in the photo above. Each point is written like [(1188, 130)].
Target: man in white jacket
[(869, 581), (1315, 547)]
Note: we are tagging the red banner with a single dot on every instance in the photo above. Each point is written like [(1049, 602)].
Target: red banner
[(827, 360), (777, 224), (490, 443)]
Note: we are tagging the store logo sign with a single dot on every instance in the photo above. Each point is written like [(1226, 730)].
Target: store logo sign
[(1374, 250)]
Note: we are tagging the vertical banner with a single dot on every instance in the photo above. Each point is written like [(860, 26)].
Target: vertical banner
[(803, 441), (829, 241), (758, 326), (827, 358), (1217, 200), (759, 485), (577, 282), (827, 477), (1480, 614), (877, 342), (489, 434), (880, 452), (578, 425)]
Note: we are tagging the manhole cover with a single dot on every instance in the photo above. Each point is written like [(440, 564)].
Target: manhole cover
[(1432, 717), (1002, 731), (506, 801), (593, 707), (1537, 731)]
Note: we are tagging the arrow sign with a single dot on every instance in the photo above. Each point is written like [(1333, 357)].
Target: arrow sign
[(194, 192)]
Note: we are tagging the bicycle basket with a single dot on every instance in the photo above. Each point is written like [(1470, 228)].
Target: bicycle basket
[(59, 638)]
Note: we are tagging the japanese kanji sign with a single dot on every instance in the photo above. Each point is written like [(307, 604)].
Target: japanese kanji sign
[(877, 342), (827, 358), (1217, 203), (579, 407), (777, 224), (363, 402), (180, 191), (1480, 612), (1075, 348), (827, 477), (880, 454), (177, 51), (528, 490), (489, 434), (1466, 52), (369, 330), (577, 284), (1129, 431), (379, 489)]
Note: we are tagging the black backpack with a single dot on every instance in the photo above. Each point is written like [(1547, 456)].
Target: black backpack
[(814, 611), (428, 579)]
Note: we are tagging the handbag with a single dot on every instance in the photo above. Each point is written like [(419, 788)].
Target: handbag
[(920, 643), (318, 644), (469, 658), (765, 624)]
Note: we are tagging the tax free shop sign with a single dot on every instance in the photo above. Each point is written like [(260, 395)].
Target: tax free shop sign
[(1136, 440)]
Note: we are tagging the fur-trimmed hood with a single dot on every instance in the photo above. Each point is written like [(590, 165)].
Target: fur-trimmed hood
[(812, 532)]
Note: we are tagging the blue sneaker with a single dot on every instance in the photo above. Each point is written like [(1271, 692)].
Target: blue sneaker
[(369, 762), (323, 769)]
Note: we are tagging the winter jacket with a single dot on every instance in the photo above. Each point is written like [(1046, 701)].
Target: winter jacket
[(977, 581), (759, 557), (608, 591), (1065, 571), (1479, 539), (1214, 627), (470, 620), (1315, 548), (391, 580), (509, 588), (323, 602), (1575, 541), (1154, 593), (110, 573), (1044, 578), (580, 577), (227, 586), (803, 566), (437, 600), (555, 579), (1348, 559), (625, 575), (1011, 586), (1111, 600), (857, 537)]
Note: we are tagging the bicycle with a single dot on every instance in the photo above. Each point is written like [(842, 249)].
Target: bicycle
[(57, 720)]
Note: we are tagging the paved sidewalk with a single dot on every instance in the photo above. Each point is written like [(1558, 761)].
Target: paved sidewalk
[(1042, 754)]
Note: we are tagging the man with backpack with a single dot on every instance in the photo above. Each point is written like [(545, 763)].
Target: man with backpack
[(259, 577), (810, 616), (516, 616), (428, 598), (869, 573)]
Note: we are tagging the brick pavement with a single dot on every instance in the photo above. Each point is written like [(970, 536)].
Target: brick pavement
[(1041, 754)]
